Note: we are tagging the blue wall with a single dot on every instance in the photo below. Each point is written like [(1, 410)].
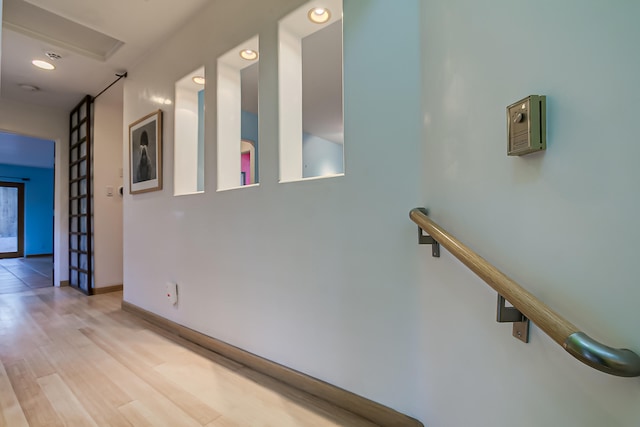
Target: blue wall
[(38, 206), (321, 157)]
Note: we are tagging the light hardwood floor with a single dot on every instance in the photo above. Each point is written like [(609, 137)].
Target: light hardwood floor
[(23, 274), (71, 360)]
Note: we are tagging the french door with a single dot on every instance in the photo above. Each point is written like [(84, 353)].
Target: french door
[(11, 220)]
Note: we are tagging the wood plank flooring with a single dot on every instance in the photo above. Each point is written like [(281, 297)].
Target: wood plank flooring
[(71, 360), (23, 274)]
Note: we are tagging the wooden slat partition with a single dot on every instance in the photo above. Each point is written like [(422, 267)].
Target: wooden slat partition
[(621, 362)]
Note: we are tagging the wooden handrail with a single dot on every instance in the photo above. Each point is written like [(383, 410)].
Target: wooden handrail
[(620, 362)]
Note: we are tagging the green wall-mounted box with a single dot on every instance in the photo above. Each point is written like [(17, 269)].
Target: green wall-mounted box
[(527, 126)]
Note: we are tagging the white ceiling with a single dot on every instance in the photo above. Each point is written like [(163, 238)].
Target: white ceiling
[(96, 38), (99, 39), (85, 33)]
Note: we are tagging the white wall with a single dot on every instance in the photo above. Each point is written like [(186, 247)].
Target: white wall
[(229, 125), (386, 320), (290, 105), (52, 124), (186, 151), (107, 164), (563, 223), (252, 264)]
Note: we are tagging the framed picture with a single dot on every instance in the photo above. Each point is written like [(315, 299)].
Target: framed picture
[(145, 154)]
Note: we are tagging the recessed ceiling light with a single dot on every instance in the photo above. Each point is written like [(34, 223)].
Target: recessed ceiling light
[(43, 64), (319, 15), (249, 54), (199, 80), (27, 87)]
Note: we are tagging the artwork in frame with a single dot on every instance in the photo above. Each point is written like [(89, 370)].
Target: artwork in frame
[(145, 154)]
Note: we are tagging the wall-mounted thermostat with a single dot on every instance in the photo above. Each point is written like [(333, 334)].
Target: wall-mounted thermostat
[(527, 126)]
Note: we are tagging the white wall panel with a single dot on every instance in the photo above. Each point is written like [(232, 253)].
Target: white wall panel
[(107, 164), (562, 223), (186, 141), (319, 275), (326, 277)]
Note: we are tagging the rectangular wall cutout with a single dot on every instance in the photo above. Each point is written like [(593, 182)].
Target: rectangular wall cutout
[(238, 144), (189, 134), (310, 92)]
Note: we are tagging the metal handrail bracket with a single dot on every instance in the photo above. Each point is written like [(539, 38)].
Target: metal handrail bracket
[(506, 314), (620, 362), (425, 239)]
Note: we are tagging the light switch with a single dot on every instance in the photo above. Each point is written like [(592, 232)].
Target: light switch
[(527, 126), (109, 191)]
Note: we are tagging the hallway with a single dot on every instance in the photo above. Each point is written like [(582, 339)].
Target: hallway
[(23, 274), (68, 359)]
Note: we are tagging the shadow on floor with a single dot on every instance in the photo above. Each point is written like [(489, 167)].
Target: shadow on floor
[(24, 274)]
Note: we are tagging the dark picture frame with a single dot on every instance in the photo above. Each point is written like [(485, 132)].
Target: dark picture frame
[(145, 154)]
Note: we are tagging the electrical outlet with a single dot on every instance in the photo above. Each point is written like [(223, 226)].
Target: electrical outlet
[(172, 293)]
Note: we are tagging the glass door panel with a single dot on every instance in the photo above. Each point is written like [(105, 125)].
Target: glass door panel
[(11, 220)]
